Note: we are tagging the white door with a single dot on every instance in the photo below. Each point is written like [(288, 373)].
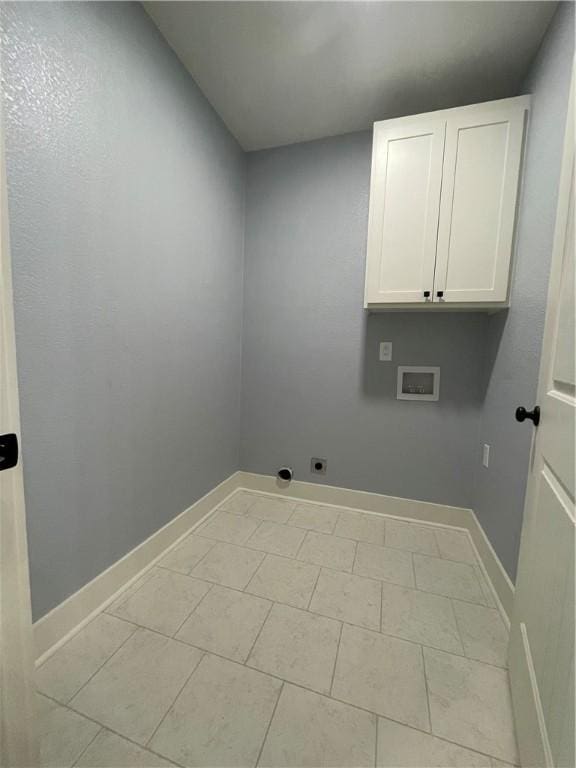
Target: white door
[(404, 203), (478, 204), (18, 745), (541, 652)]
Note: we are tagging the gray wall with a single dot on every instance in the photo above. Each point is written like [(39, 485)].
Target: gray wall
[(515, 338), (312, 383), (126, 203), (127, 226)]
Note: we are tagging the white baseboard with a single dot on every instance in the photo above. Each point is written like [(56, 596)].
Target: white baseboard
[(497, 576), (424, 511), (57, 626), (53, 629), (347, 497), (531, 732)]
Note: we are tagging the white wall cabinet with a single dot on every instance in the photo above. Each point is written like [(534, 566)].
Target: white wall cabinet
[(443, 195)]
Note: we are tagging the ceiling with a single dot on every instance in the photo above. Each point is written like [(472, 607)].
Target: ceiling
[(282, 72)]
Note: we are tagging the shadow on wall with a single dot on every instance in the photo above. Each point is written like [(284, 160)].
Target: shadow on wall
[(454, 341), (494, 331)]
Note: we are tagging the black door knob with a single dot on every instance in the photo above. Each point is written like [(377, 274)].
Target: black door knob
[(522, 414), (8, 451)]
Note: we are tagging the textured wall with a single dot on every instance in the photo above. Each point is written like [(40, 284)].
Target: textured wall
[(312, 383), (126, 203), (515, 338)]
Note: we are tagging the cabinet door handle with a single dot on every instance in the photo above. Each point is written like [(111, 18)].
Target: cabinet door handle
[(440, 294), (426, 294)]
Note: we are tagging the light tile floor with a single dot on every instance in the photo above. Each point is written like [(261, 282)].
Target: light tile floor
[(289, 634)]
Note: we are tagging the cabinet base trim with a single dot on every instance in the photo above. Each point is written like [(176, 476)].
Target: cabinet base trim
[(437, 307)]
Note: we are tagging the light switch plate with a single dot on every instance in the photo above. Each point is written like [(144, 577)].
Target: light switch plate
[(485, 455), (385, 351)]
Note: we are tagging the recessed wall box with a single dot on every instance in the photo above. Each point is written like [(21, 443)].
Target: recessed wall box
[(418, 382)]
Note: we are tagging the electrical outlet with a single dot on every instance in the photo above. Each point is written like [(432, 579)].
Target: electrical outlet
[(385, 351), (486, 455), (318, 466)]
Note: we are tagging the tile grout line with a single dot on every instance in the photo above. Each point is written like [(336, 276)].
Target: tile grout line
[(103, 612), (436, 541), (110, 729), (382, 607), (292, 515), (478, 605), (413, 570), (385, 516), (209, 584), (122, 644), (489, 601), (478, 573), (314, 588), (428, 707), (480, 577), (251, 579), (309, 528), (198, 604), (342, 509), (465, 654), (355, 556), (172, 570), (433, 527), (213, 542), (246, 517), (375, 714), (87, 747), (167, 637), (115, 605), (346, 508), (459, 630), (380, 612), (299, 559), (380, 581), (457, 562), (289, 682), (269, 724), (403, 549), (313, 614), (336, 660), (254, 532), (435, 535), (336, 520), (175, 699), (295, 556), (376, 740), (245, 662), (281, 679), (251, 504)]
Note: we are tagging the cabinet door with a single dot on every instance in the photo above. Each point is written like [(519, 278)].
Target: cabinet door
[(404, 205), (478, 202)]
